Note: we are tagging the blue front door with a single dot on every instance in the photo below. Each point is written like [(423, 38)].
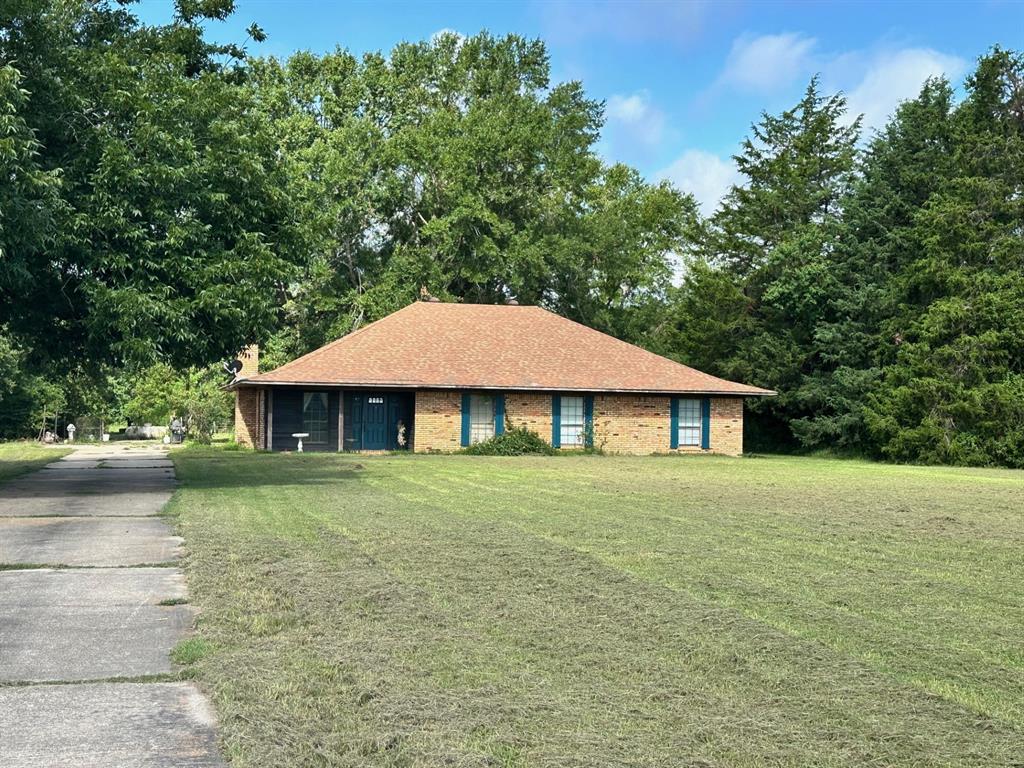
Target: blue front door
[(375, 424)]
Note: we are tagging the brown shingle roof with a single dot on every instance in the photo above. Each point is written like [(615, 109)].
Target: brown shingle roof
[(487, 346)]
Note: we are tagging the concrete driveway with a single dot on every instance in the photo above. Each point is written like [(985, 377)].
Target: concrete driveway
[(90, 595)]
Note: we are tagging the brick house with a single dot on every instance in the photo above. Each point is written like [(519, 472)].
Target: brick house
[(436, 376)]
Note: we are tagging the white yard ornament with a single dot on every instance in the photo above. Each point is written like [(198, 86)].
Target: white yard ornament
[(300, 435), (71, 433)]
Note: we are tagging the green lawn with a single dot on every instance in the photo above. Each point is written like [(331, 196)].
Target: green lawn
[(21, 457), (600, 611)]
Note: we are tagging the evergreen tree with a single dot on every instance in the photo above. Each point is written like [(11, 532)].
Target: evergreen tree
[(903, 165), (773, 237), (953, 383)]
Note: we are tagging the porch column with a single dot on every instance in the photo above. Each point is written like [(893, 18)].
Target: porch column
[(341, 420)]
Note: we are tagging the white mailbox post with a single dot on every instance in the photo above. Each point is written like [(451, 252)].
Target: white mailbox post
[(71, 433)]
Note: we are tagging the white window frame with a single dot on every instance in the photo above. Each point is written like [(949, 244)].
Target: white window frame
[(481, 418), (572, 425), (691, 423), (317, 435)]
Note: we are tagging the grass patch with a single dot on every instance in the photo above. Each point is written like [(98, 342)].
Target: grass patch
[(23, 566), (158, 678), (174, 601), (17, 458), (191, 650), (423, 611)]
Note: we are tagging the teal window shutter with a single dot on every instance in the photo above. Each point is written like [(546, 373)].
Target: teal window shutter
[(588, 419), (499, 413), (465, 419), (556, 421), (705, 423), (674, 423)]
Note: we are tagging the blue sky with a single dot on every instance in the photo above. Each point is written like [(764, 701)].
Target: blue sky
[(682, 81)]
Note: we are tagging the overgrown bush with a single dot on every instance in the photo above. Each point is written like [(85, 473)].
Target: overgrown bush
[(151, 395), (514, 441), (207, 407), (158, 394)]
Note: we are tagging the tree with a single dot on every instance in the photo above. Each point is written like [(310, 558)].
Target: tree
[(29, 196), (772, 239), (171, 237), (159, 393), (953, 386), (454, 164), (903, 166)]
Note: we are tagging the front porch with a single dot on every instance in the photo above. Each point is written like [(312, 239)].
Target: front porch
[(357, 420)]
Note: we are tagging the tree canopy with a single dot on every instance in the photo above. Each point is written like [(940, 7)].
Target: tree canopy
[(454, 164), (168, 200), (147, 217), (878, 290)]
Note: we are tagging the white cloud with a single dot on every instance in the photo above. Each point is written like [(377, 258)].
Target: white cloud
[(894, 76), (706, 176), (768, 62), (627, 108), (639, 119), (875, 80)]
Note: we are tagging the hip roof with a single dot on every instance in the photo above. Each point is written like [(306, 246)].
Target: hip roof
[(430, 345)]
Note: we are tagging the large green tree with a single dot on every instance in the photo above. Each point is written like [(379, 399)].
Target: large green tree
[(882, 297), (29, 195), (454, 164), (953, 380), (750, 303), (903, 165), (170, 235)]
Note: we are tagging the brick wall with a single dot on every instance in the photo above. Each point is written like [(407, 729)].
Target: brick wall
[(632, 423), (531, 410), (250, 359), (642, 424), (437, 424), (727, 425), (250, 429), (636, 424)]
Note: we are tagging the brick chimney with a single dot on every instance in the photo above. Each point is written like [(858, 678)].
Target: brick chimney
[(250, 359)]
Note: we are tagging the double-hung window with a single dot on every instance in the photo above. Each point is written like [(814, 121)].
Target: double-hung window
[(573, 422), (314, 416), (481, 418), (689, 421)]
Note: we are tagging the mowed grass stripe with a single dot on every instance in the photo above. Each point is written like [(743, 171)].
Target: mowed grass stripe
[(983, 672), (355, 622), (681, 626), (857, 610)]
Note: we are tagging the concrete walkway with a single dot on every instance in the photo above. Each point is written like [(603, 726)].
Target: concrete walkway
[(89, 595)]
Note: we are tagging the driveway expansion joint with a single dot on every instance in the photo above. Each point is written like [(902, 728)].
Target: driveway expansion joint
[(92, 602)]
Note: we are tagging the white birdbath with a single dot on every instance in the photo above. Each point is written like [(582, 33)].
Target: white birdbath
[(300, 435)]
